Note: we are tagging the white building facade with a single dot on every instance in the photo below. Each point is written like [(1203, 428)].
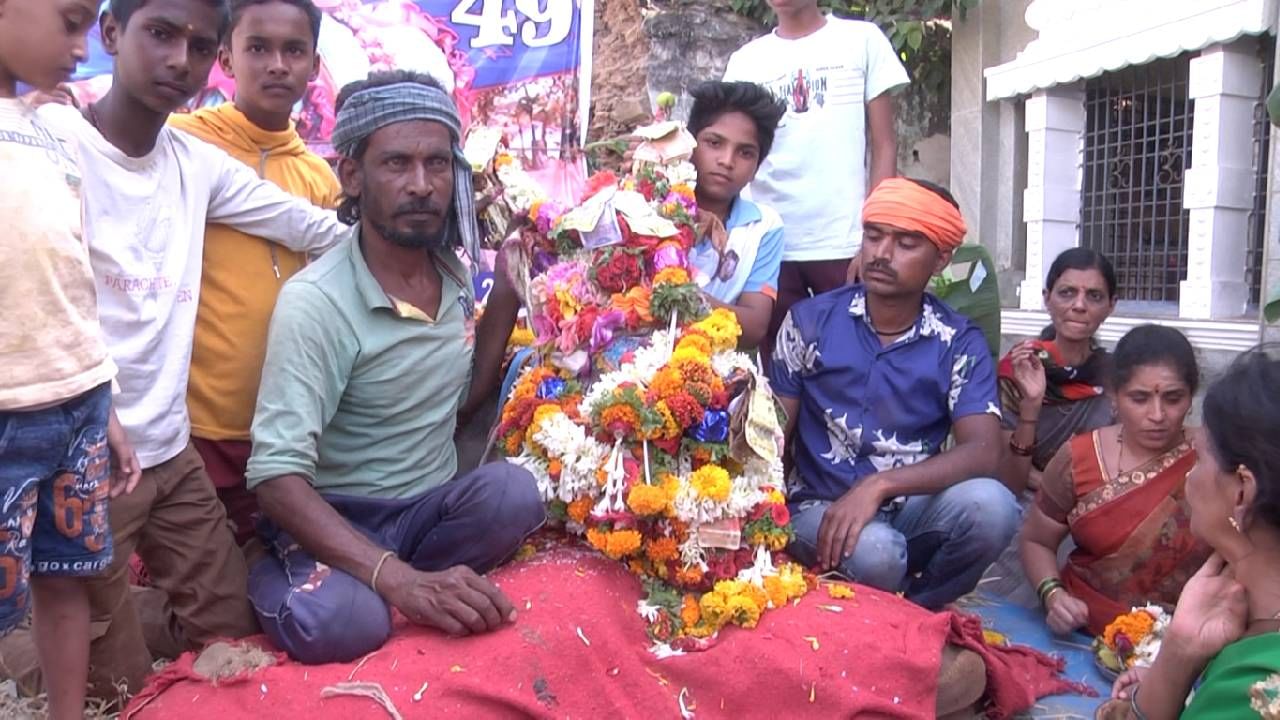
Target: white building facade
[(1134, 127)]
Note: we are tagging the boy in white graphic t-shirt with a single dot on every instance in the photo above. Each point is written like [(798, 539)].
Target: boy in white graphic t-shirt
[(835, 76), (149, 192)]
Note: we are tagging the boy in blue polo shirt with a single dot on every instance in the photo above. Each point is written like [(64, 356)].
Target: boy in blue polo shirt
[(739, 251), (874, 379)]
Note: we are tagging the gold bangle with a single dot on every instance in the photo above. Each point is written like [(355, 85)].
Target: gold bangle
[(373, 581)]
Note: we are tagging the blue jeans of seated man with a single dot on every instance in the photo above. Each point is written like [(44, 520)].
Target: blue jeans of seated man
[(949, 539), (318, 614)]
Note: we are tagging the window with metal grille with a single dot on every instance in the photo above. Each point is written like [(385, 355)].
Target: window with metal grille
[(1261, 168), (1137, 147)]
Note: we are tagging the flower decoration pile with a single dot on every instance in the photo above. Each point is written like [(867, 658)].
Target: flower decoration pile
[(649, 434), (501, 179), (1132, 639)]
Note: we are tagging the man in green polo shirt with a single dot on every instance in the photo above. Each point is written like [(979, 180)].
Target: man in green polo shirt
[(368, 359)]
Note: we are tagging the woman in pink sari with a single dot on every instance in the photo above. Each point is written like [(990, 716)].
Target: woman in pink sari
[(1119, 493)]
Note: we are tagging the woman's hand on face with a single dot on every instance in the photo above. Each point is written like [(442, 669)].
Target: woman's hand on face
[(1212, 612), (1065, 612), (1028, 372)]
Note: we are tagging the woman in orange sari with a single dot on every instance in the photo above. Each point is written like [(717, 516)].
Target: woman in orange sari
[(1119, 493)]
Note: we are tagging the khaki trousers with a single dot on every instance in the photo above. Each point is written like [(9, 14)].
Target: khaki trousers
[(174, 522)]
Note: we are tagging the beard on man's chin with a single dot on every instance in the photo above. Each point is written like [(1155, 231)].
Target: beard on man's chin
[(438, 240), (414, 240)]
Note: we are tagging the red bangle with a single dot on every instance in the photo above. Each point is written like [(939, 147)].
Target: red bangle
[(1021, 450)]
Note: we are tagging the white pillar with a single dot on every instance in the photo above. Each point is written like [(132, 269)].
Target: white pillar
[(1055, 122), (1218, 188)]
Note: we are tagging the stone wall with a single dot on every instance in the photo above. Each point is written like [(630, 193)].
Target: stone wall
[(690, 42), (619, 67)]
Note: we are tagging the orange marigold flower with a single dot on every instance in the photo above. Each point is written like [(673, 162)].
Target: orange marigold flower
[(673, 274), (513, 442), (665, 383), (579, 509), (598, 538), (685, 409), (696, 341), (691, 575), (693, 368), (620, 419), (648, 500), (636, 300), (662, 549), (839, 591), (622, 543), (690, 613), (776, 591), (670, 429), (1134, 625)]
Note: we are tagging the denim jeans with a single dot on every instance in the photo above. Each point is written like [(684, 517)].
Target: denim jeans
[(949, 539), (53, 477), (318, 614)]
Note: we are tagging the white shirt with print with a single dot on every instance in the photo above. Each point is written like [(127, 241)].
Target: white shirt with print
[(816, 174), (145, 223)]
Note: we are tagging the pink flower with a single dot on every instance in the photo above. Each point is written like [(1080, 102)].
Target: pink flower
[(602, 330), (544, 330), (669, 255)]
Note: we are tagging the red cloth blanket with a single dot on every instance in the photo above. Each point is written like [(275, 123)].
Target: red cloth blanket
[(578, 649)]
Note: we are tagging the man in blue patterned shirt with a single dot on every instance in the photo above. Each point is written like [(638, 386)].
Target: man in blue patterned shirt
[(874, 379)]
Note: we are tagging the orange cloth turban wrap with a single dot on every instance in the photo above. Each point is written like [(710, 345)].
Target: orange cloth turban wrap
[(903, 204)]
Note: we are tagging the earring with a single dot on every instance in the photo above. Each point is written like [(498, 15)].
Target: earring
[(1234, 523)]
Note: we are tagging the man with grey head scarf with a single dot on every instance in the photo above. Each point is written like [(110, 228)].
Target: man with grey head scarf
[(368, 359), (363, 110)]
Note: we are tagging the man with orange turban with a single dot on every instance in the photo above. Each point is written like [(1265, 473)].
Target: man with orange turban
[(875, 377)]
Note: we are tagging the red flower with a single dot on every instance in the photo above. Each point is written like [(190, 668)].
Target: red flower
[(719, 400), (670, 447), (617, 271), (598, 182), (781, 515), (685, 409), (686, 237), (585, 320)]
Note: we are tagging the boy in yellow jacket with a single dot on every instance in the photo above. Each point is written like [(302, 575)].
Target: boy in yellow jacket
[(271, 53)]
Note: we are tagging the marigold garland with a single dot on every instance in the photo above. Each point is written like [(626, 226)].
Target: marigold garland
[(648, 500), (662, 549), (711, 482), (616, 544)]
